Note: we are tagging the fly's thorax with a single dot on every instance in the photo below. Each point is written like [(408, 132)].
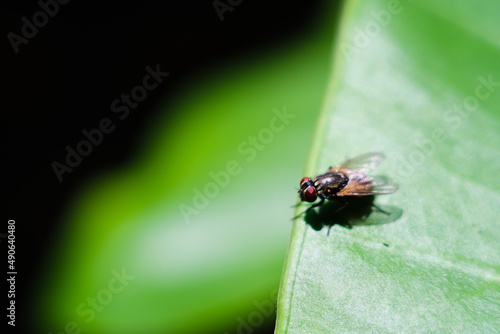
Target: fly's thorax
[(329, 184)]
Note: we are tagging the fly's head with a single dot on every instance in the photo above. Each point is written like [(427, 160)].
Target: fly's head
[(307, 190)]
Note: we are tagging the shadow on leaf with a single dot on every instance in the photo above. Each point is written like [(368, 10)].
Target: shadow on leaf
[(359, 212)]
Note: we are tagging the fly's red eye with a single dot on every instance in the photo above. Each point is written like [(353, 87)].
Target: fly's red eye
[(310, 194), (305, 179)]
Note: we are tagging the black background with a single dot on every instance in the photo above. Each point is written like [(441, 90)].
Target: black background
[(65, 78)]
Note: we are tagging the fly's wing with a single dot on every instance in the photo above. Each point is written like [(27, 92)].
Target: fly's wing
[(363, 185), (382, 185), (363, 163)]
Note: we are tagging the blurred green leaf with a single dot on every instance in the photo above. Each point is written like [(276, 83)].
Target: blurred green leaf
[(419, 81), (203, 272)]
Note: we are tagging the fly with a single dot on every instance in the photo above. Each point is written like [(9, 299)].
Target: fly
[(352, 178)]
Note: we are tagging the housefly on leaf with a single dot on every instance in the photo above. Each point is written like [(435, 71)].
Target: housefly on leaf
[(350, 179)]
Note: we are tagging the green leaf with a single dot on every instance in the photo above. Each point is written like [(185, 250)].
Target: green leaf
[(419, 81)]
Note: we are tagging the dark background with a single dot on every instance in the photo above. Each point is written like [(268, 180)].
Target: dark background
[(65, 78)]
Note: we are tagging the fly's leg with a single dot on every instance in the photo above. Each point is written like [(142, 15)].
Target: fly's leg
[(380, 210), (309, 208), (344, 204), (315, 205)]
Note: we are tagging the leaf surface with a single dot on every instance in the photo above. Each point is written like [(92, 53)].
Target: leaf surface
[(419, 81)]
